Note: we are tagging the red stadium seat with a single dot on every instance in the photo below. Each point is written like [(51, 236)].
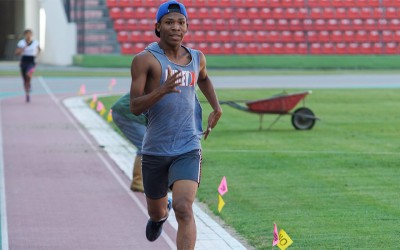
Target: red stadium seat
[(237, 36), (225, 36), (216, 13), (144, 24), (245, 24), (337, 3), (337, 36), (383, 24), (362, 3), (198, 36), (345, 24), (188, 36), (298, 3), (358, 24), (115, 13), (341, 48), (320, 24), (277, 13), (265, 48), (261, 3), (258, 24), (199, 3), (253, 13), (387, 36), (192, 12), (366, 48), (136, 36), (122, 36), (290, 13), (370, 24), (353, 13), (349, 3), (249, 36), (312, 36), (131, 24), (261, 36), (265, 13), (278, 48), (195, 24), (308, 24), (211, 36), (241, 13), (119, 24), (252, 48), (302, 48), (341, 13), (275, 3), (151, 3), (151, 14), (328, 13), (366, 12), (295, 24), (228, 48), (140, 13), (328, 49), (313, 3), (391, 48), (138, 47), (373, 3), (348, 36), (220, 24), (332, 24), (391, 13), (128, 13), (394, 24), (316, 13), (387, 3), (324, 36), (397, 36), (361, 36), (112, 3), (228, 13), (208, 24), (315, 48), (203, 13), (213, 3), (299, 36), (396, 3), (225, 3), (233, 24), (286, 36), (377, 48), (125, 3), (282, 24), (149, 36), (270, 24), (126, 48), (241, 49), (353, 48), (325, 3), (203, 47), (215, 48), (377, 13), (290, 48), (302, 13), (274, 36), (287, 3), (373, 36)]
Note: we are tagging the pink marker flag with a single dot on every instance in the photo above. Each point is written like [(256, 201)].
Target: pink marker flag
[(94, 98), (113, 82), (275, 241), (223, 186), (82, 90), (100, 106)]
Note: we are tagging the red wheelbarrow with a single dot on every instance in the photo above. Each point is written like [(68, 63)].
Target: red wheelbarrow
[(302, 118)]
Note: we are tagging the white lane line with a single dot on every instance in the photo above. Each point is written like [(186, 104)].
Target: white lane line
[(4, 226), (254, 151), (169, 241)]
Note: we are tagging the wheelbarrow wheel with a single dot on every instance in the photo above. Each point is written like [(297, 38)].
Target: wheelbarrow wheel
[(303, 119)]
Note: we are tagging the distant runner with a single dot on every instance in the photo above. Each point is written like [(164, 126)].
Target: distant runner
[(28, 49)]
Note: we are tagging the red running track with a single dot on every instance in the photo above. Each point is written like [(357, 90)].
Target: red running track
[(60, 192)]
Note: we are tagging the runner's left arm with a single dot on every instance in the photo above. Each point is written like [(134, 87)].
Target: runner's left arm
[(207, 89)]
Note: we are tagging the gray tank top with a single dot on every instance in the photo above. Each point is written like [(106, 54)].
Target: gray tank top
[(174, 123)]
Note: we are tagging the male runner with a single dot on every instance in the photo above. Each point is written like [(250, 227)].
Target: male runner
[(29, 49), (164, 78), (133, 127)]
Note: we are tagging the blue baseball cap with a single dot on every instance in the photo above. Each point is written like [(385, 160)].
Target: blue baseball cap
[(168, 7)]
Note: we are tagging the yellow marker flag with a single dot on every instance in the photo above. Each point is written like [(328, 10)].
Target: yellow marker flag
[(92, 104), (284, 240), (221, 203), (102, 112), (109, 116)]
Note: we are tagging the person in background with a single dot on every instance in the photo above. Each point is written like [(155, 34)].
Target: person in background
[(134, 128), (28, 49)]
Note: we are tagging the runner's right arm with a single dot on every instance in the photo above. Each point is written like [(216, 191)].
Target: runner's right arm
[(142, 96)]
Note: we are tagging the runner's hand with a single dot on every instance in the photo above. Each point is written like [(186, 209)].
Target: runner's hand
[(212, 122), (173, 81)]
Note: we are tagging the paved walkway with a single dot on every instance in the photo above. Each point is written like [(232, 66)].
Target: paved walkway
[(62, 188)]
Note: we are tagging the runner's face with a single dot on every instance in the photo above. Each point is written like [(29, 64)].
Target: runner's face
[(172, 28)]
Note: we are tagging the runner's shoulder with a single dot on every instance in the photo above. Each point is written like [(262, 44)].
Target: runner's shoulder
[(144, 58)]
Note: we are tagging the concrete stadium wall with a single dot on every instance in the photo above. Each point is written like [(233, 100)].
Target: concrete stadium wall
[(60, 40)]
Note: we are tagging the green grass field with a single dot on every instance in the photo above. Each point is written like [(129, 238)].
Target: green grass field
[(334, 187), (263, 61)]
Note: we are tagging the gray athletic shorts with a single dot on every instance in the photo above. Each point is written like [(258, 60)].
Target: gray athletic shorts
[(160, 172)]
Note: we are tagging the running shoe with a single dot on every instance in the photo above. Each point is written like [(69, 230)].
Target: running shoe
[(154, 229)]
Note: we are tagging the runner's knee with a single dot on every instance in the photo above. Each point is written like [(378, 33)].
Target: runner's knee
[(183, 209)]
